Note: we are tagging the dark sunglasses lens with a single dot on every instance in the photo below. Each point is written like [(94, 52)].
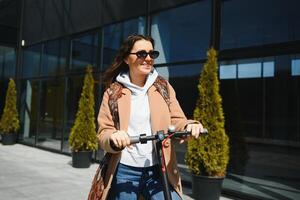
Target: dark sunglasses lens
[(154, 54), (141, 54)]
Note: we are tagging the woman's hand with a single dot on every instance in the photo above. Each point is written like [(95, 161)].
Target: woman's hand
[(196, 129), (119, 140)]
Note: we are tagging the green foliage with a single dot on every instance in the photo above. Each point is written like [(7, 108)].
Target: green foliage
[(9, 122), (83, 133), (209, 154)]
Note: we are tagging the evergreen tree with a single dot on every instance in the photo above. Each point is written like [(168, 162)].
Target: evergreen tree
[(9, 122), (83, 133), (209, 154)]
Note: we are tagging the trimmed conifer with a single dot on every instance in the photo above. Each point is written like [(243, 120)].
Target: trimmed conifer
[(83, 133), (9, 122), (209, 154)]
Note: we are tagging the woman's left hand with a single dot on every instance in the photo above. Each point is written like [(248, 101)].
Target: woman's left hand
[(196, 129)]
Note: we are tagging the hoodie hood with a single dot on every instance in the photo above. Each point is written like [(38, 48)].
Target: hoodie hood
[(137, 90)]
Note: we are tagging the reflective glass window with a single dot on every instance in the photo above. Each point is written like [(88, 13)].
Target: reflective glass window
[(114, 35), (249, 70), (31, 61), (262, 121), (54, 57), (51, 113), (29, 110), (282, 101), (227, 71), (268, 69), (184, 79), (84, 51), (182, 33), (296, 67), (7, 62), (3, 89), (277, 81), (273, 21), (74, 88), (1, 62)]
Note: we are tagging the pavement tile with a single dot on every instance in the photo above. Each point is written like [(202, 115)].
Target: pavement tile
[(28, 173)]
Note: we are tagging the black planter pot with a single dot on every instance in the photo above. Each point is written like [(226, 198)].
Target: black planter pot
[(205, 187), (81, 159), (9, 138)]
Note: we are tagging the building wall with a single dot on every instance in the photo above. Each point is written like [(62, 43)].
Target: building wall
[(44, 20), (9, 22)]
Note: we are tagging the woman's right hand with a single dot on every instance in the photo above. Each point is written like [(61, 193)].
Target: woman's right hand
[(119, 140)]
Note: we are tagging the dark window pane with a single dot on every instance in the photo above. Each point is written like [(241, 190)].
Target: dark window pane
[(3, 89), (73, 95), (51, 113), (84, 51), (184, 79), (7, 62), (118, 10), (250, 94), (262, 120), (282, 101), (1, 62), (182, 33), (31, 61), (54, 57), (115, 34), (74, 89), (273, 21), (29, 110)]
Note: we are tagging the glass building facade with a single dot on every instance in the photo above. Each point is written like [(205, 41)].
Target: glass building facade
[(258, 44)]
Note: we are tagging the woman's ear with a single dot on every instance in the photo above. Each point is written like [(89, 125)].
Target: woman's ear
[(126, 60)]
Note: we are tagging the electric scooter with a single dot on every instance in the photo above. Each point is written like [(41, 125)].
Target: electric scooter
[(159, 139)]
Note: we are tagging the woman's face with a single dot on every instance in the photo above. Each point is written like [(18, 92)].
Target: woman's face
[(140, 66)]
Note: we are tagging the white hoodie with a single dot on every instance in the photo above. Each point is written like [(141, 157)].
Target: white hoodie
[(141, 155)]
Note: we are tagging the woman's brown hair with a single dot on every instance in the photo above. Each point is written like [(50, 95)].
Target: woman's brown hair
[(118, 64)]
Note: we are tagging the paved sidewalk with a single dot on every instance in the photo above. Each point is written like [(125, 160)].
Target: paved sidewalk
[(29, 173)]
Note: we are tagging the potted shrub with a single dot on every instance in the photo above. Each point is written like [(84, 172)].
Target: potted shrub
[(83, 139), (9, 122), (207, 157)]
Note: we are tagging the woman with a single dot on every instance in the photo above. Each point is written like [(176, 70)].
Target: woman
[(133, 169)]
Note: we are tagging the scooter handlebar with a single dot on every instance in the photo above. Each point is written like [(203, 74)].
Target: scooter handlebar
[(177, 134)]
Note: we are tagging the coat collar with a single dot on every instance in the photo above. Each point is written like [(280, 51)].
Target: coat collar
[(124, 108)]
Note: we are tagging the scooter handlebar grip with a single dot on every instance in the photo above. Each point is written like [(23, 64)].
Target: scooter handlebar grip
[(134, 139)]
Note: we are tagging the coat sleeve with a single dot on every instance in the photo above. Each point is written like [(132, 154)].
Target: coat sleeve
[(106, 125), (178, 118)]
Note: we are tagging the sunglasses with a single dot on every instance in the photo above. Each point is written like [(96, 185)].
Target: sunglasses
[(143, 54)]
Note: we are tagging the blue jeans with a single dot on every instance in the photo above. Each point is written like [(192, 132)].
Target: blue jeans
[(131, 182)]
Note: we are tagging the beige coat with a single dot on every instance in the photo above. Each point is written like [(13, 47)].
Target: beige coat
[(161, 118)]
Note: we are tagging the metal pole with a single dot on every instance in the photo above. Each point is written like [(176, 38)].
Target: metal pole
[(162, 166)]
